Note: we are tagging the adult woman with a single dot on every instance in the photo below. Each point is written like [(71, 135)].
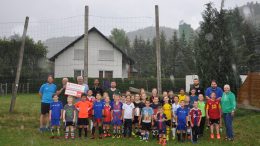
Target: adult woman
[(228, 105)]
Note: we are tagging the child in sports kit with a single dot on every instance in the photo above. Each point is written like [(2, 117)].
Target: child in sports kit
[(161, 126), (143, 97), (91, 99), (83, 107), (117, 116), (195, 115), (69, 118), (97, 116), (55, 115), (128, 116), (213, 112), (146, 120), (155, 105), (107, 117), (182, 95), (137, 113), (188, 107), (202, 107), (167, 110), (193, 97), (175, 106), (181, 121)]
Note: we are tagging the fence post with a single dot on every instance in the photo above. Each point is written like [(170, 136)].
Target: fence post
[(27, 87), (19, 66), (6, 88)]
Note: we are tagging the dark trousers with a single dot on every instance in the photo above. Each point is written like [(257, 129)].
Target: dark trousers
[(128, 127), (202, 125), (195, 133), (228, 119)]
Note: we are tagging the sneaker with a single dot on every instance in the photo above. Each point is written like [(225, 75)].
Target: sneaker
[(218, 136), (108, 135), (41, 129), (92, 137), (133, 133), (212, 136), (167, 138), (100, 137), (164, 143), (173, 138), (114, 136), (118, 136)]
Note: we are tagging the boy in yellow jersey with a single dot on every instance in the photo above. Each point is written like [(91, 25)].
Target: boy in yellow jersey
[(182, 95), (167, 110)]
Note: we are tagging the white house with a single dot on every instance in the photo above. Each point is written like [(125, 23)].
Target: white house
[(105, 59)]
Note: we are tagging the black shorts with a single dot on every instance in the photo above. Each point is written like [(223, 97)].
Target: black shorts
[(136, 120), (214, 121), (168, 123), (189, 124), (146, 126), (174, 124), (45, 108), (69, 124), (83, 121)]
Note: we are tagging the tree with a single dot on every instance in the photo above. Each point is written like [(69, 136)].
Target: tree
[(215, 51), (119, 37), (34, 63)]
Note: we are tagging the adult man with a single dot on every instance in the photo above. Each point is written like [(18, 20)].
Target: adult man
[(61, 92), (111, 91), (197, 87), (96, 88), (80, 81), (214, 88), (46, 92)]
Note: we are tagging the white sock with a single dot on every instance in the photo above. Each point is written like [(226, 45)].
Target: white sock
[(173, 132)]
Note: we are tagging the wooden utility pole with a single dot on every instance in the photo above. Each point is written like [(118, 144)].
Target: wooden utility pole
[(86, 46), (19, 66), (158, 50)]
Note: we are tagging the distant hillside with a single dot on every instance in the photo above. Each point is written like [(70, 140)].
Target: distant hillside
[(54, 45), (149, 33)]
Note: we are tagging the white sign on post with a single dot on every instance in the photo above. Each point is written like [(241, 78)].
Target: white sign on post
[(74, 89)]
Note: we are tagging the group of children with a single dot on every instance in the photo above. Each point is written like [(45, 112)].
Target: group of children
[(182, 116)]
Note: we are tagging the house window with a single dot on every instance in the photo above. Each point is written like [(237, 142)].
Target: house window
[(78, 54), (109, 74), (78, 73), (106, 55), (106, 74), (101, 74)]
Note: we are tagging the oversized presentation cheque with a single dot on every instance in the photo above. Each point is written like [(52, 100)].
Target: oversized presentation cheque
[(74, 89)]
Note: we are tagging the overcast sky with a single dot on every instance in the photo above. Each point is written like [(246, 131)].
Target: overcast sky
[(171, 11)]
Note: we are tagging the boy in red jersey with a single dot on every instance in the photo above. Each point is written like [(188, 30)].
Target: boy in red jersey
[(107, 117), (213, 112)]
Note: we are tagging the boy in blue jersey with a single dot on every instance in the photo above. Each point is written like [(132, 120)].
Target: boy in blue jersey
[(55, 115), (181, 121), (193, 97), (117, 116), (97, 113)]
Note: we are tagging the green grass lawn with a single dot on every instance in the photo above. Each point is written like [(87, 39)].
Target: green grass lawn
[(21, 128)]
